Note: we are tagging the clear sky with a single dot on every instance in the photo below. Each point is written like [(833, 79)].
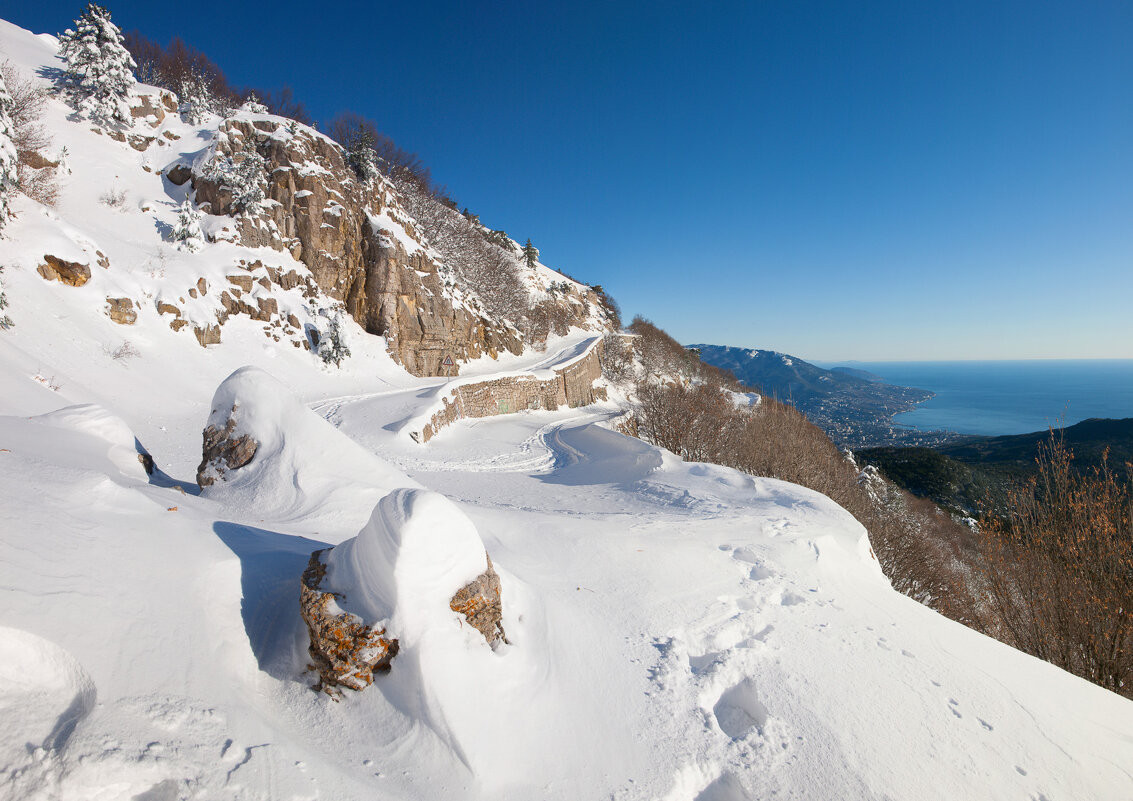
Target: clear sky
[(868, 180)]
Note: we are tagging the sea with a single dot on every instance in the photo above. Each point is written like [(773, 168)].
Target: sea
[(1010, 397)]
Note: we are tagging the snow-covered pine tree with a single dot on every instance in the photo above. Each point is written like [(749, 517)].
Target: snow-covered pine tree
[(100, 70), (332, 348), (9, 167), (187, 232), (530, 254), (199, 98), (253, 105), (245, 178)]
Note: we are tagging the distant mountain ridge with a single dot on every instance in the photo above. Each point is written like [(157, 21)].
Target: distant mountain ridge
[(853, 407)]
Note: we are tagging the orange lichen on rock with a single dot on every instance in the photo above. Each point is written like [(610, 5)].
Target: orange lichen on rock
[(479, 602), (344, 649)]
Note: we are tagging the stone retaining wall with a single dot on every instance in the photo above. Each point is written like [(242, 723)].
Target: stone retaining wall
[(572, 386)]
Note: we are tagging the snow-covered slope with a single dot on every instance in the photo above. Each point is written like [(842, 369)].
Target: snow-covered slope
[(677, 631)]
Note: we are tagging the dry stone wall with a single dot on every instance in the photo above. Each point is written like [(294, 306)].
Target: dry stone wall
[(573, 386)]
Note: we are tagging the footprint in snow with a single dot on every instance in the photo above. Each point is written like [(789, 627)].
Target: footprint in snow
[(739, 710), (745, 555), (726, 787), (760, 573), (704, 662)]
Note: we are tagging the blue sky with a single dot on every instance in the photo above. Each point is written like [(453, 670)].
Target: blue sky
[(871, 180)]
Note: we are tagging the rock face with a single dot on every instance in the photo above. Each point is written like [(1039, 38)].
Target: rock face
[(343, 231), (223, 451), (344, 650), (479, 602), (66, 272)]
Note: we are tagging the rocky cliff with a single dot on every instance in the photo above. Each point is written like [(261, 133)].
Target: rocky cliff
[(361, 246)]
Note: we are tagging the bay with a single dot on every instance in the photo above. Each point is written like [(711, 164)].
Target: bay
[(1010, 397)]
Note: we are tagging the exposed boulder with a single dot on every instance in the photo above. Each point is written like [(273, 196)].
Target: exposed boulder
[(224, 450), (71, 273), (386, 590), (479, 602), (344, 650), (121, 311), (178, 174)]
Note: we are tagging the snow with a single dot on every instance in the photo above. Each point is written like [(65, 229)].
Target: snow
[(405, 565), (677, 630)]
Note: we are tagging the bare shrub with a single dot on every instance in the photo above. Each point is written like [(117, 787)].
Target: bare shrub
[(490, 271), (200, 82), (36, 174), (687, 407), (1059, 570), (114, 198), (124, 352), (617, 358)]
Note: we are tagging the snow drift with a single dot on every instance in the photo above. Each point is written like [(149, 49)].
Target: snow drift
[(303, 468)]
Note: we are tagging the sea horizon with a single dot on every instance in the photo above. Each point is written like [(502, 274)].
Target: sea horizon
[(995, 397)]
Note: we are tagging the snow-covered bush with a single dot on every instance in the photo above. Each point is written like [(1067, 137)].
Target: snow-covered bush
[(9, 174), (332, 347), (100, 70), (187, 232), (244, 177)]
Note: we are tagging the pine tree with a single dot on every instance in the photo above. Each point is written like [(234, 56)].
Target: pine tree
[(199, 98), (361, 155), (99, 67), (244, 178), (530, 254), (253, 105), (9, 175), (187, 232), (332, 347)]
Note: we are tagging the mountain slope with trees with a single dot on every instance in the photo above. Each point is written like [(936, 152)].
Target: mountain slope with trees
[(853, 410)]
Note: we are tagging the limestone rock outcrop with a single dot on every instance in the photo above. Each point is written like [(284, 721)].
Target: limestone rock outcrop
[(224, 450), (121, 311), (343, 231), (344, 650), (66, 272)]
